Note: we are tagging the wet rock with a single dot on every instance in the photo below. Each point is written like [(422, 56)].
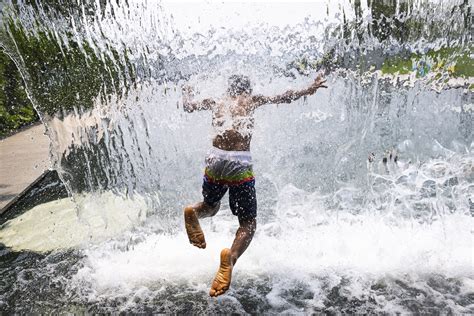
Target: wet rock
[(380, 285), (428, 189), (402, 180), (451, 182), (381, 181)]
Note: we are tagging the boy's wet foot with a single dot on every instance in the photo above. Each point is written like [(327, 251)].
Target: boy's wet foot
[(193, 229), (221, 282)]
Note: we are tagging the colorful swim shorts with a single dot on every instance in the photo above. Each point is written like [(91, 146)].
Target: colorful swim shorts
[(230, 170)]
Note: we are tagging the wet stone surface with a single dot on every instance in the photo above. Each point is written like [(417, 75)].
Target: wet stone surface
[(41, 283)]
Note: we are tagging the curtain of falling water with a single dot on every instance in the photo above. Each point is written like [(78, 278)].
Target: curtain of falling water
[(105, 77)]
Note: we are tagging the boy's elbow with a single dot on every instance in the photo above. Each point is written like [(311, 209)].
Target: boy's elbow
[(289, 99)]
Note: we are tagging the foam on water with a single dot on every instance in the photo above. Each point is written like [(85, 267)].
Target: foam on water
[(368, 257), (361, 251), (363, 246)]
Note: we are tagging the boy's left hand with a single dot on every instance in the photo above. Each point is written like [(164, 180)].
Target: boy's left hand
[(319, 82), (187, 89)]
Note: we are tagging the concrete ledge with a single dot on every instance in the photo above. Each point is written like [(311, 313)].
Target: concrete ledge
[(23, 159), (46, 188)]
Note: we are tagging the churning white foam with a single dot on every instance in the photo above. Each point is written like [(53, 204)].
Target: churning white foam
[(302, 242)]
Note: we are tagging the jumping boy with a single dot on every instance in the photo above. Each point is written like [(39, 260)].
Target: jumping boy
[(229, 167)]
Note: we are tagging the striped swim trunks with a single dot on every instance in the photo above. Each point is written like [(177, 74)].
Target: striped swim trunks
[(228, 167), (230, 171)]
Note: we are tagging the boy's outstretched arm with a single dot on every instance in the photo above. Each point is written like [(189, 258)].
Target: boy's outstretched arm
[(189, 105), (290, 95)]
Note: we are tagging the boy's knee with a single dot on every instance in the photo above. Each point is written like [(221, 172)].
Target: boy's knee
[(212, 209)]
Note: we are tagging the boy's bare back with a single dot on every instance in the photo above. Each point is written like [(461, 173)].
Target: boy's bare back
[(232, 116)]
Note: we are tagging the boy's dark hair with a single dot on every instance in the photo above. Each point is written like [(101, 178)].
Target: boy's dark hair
[(239, 84)]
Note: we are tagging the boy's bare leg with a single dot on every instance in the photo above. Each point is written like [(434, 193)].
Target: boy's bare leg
[(191, 215), (229, 257)]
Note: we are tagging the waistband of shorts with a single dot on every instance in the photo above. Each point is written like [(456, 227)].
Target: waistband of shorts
[(237, 155)]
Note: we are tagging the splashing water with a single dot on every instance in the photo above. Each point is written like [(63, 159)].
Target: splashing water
[(337, 232)]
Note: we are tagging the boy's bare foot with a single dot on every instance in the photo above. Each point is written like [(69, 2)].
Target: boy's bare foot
[(193, 229), (221, 282)]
